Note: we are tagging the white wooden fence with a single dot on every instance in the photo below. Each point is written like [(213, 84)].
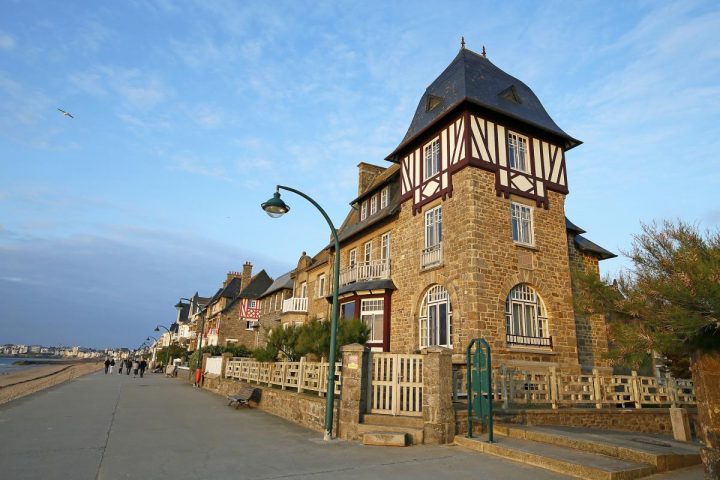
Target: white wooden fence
[(548, 387), (396, 384), (300, 376)]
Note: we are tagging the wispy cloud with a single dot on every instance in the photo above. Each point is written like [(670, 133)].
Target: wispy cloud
[(135, 87), (7, 41)]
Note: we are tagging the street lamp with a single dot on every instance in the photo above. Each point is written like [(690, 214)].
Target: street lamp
[(276, 207), (178, 307), (154, 350), (157, 329)]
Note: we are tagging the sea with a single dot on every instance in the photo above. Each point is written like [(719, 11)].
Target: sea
[(7, 367)]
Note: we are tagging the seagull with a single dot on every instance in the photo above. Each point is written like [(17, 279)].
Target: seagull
[(67, 114)]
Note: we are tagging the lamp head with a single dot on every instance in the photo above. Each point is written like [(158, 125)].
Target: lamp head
[(275, 207), (179, 306), (157, 329)]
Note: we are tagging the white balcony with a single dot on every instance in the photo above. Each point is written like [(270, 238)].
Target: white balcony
[(432, 256), (295, 304), (363, 272)]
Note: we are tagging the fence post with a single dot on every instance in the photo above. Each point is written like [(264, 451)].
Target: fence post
[(301, 375), (283, 377), (505, 393), (553, 387), (635, 389), (672, 391), (597, 388), (223, 366), (353, 388), (438, 413)]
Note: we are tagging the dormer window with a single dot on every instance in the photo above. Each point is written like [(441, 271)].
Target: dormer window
[(384, 197), (432, 159), (517, 152), (363, 210), (432, 102), (373, 205)]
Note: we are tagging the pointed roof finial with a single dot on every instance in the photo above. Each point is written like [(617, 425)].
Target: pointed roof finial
[(484, 53), (462, 43)]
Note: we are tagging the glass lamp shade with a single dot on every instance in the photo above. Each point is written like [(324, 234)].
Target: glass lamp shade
[(275, 207)]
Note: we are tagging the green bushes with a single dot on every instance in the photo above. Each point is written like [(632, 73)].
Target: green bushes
[(311, 339)]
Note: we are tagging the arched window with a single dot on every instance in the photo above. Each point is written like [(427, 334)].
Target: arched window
[(436, 318), (526, 317)]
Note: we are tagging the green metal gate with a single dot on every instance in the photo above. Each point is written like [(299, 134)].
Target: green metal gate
[(479, 386)]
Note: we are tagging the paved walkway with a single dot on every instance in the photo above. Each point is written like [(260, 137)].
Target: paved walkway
[(111, 426)]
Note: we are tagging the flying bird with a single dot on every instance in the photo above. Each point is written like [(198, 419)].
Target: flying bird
[(67, 114)]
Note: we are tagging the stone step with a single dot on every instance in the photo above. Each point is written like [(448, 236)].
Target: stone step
[(415, 435), (568, 461), (397, 420), (386, 439), (663, 454)]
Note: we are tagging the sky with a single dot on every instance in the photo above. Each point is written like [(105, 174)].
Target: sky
[(188, 113)]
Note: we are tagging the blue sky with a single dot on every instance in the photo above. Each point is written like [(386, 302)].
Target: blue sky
[(188, 113)]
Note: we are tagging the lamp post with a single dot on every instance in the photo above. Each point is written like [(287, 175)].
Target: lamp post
[(154, 347), (178, 307), (276, 207), (157, 329)]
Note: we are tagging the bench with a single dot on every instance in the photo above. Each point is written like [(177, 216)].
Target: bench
[(242, 397)]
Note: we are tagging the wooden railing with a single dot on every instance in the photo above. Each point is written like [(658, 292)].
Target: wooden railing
[(431, 256), (295, 304), (375, 270), (516, 387), (396, 384), (299, 376)]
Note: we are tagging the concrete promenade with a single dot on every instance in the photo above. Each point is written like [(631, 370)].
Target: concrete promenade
[(111, 427)]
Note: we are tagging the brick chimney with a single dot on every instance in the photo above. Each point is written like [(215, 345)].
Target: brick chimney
[(366, 174), (246, 274), (230, 276)]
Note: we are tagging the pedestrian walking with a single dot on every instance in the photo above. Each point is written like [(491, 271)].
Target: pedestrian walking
[(120, 368), (111, 365), (143, 366), (107, 365), (128, 364), (136, 367)]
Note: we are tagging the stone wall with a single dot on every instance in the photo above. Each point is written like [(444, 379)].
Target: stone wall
[(304, 409), (481, 263), (234, 328), (651, 420)]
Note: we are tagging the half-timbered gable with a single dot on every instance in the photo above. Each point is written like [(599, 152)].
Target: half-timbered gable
[(476, 114)]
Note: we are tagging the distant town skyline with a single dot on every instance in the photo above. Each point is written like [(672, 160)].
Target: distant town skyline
[(185, 116)]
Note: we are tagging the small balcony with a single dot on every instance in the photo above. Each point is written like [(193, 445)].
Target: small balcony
[(432, 256), (295, 304), (366, 271), (528, 341)]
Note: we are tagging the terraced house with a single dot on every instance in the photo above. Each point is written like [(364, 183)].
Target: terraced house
[(465, 234)]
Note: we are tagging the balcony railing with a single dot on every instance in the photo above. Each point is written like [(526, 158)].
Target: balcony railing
[(362, 272), (432, 256), (528, 341), (295, 304)]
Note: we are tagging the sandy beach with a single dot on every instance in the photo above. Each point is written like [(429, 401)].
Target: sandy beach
[(24, 382)]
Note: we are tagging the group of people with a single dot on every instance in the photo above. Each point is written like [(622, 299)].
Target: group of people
[(127, 364)]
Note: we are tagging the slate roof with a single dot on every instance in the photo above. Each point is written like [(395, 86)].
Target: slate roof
[(572, 227), (256, 286), (284, 281), (473, 78), (586, 245), (232, 289), (370, 285), (184, 312)]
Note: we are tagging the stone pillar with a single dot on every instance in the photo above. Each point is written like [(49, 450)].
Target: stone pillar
[(706, 379), (353, 389), (225, 357), (438, 412), (680, 424)]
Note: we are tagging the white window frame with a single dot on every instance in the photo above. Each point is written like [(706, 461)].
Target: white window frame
[(385, 247), (277, 299), (363, 210), (372, 307), (352, 258), (518, 156), (303, 290), (384, 194), (521, 217), (320, 286), (435, 303), (367, 252), (373, 205), (253, 303), (433, 227), (525, 313), (432, 161)]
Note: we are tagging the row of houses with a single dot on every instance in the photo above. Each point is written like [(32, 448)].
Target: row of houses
[(462, 234)]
